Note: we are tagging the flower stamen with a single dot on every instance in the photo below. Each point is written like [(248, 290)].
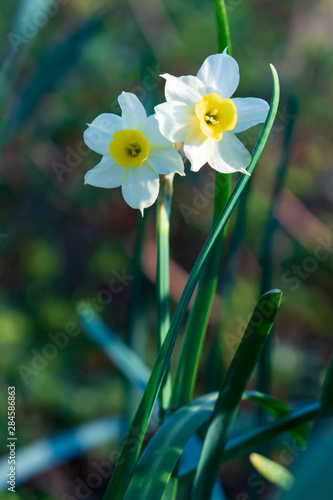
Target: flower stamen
[(133, 149), (129, 148), (211, 117), (216, 115)]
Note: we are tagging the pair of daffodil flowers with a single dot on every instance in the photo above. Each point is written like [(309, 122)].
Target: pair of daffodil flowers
[(199, 112)]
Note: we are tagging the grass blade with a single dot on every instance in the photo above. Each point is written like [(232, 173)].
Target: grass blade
[(231, 392), (278, 409), (163, 279), (132, 446), (165, 448), (175, 440), (137, 327), (248, 442)]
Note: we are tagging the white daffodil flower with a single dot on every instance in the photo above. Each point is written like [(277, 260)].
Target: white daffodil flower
[(134, 153), (201, 113)]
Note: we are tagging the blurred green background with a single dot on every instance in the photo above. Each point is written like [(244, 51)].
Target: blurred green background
[(62, 64)]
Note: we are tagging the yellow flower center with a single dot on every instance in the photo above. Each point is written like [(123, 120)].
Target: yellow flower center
[(129, 148), (216, 115)]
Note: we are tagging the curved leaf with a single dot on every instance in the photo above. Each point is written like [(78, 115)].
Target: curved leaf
[(278, 409), (131, 449), (163, 451), (176, 439), (248, 442), (236, 379)]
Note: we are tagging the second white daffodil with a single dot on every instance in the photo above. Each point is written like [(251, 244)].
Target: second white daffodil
[(201, 113), (134, 153)]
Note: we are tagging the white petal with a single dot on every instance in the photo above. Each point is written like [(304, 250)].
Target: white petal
[(107, 122), (107, 174), (230, 155), (152, 132), (133, 113), (250, 112), (188, 89), (141, 187), (99, 133), (174, 119), (220, 73), (198, 149), (165, 160)]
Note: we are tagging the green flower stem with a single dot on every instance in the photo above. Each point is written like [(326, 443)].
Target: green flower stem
[(137, 321), (223, 31), (197, 323), (163, 279), (199, 316)]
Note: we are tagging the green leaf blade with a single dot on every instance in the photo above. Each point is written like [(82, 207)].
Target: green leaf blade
[(278, 409), (237, 377), (131, 449), (164, 450)]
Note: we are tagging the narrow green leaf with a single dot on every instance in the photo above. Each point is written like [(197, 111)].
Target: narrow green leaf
[(231, 392), (137, 333), (155, 467), (130, 452), (165, 448), (272, 471), (163, 279), (278, 409), (248, 442)]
